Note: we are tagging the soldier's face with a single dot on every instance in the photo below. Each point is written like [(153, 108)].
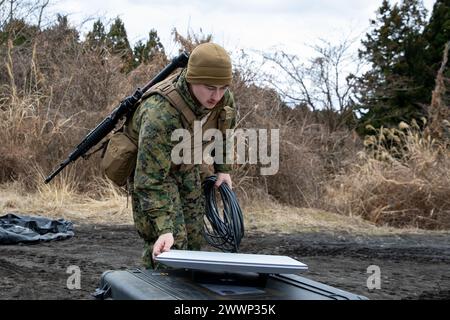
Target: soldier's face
[(208, 95)]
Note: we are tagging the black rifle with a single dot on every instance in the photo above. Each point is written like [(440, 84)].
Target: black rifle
[(125, 108)]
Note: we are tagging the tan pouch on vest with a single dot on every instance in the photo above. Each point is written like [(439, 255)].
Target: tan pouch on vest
[(120, 158)]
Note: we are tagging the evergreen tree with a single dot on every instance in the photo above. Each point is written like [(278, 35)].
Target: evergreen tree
[(118, 43), (144, 53), (393, 90), (437, 34), (154, 44), (97, 37), (139, 53)]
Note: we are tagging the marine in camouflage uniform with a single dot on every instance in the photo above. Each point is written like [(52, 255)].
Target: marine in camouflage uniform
[(167, 198)]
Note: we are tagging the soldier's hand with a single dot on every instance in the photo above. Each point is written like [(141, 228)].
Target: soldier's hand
[(223, 177), (163, 244)]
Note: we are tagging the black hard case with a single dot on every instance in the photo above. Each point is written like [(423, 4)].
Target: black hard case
[(183, 284)]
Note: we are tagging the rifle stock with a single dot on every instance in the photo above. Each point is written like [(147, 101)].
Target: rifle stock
[(108, 124)]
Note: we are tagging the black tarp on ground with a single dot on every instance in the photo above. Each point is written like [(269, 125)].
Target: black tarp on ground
[(25, 229)]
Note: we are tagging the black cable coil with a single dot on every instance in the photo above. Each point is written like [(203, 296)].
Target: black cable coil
[(224, 231)]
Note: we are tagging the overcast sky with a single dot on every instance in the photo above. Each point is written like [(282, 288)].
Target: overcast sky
[(235, 24)]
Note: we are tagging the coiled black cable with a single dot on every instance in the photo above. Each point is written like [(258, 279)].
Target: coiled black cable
[(224, 231)]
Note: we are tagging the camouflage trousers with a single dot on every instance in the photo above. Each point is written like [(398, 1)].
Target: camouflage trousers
[(189, 207)]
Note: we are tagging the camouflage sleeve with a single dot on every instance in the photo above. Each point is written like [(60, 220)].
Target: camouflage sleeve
[(229, 119), (156, 120)]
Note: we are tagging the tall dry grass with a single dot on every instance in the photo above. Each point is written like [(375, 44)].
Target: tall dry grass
[(403, 179), (60, 200), (411, 191)]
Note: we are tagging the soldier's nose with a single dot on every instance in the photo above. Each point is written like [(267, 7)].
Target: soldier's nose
[(215, 94)]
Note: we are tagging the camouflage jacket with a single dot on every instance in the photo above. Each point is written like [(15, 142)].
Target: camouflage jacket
[(153, 122)]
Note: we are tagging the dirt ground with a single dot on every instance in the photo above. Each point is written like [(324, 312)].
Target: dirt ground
[(413, 266)]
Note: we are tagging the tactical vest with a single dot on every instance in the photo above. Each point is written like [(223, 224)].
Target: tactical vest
[(119, 159)]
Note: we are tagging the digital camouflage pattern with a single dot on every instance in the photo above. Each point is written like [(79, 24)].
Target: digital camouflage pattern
[(166, 198)]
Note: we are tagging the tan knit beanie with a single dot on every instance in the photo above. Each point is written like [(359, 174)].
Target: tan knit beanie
[(209, 64)]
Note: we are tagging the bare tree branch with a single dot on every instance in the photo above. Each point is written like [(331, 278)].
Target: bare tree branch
[(41, 10), (324, 83), (295, 73)]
